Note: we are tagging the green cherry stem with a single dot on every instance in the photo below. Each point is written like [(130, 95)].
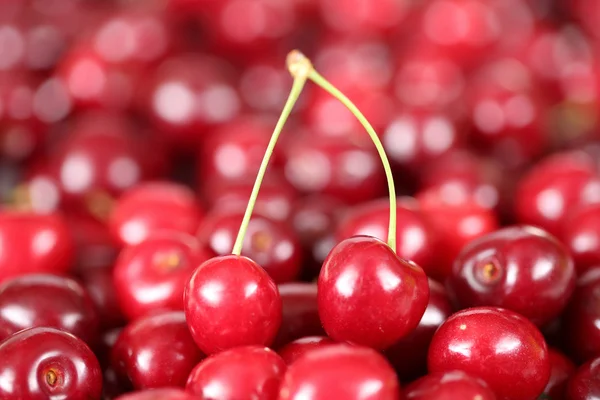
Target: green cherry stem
[(301, 67), (325, 84)]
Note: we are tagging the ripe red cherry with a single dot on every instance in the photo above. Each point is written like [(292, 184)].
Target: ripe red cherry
[(368, 295), (414, 237), (30, 301), (520, 268), (159, 394), (448, 385), (231, 301), (585, 383), (340, 371), (499, 346), (155, 351), (151, 207), (555, 187), (581, 234), (299, 347), (32, 243), (562, 370), (152, 275), (409, 354), (43, 363), (248, 372)]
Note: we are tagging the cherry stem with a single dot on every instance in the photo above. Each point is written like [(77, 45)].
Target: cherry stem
[(301, 67), (325, 84)]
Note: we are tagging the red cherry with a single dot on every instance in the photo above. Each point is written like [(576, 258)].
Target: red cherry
[(585, 383), (299, 347), (499, 346), (414, 237), (159, 394), (587, 12), (155, 351), (340, 371), (31, 243), (409, 354), (581, 234), (151, 207), (248, 372), (30, 301), (231, 301), (368, 295), (48, 363), (448, 385), (562, 370), (152, 275), (99, 285), (264, 85), (363, 17)]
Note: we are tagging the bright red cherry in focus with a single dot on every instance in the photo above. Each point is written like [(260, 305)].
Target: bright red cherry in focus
[(44, 363), (562, 370), (585, 383), (499, 346), (231, 301), (299, 347), (581, 234), (447, 386), (247, 372), (368, 295)]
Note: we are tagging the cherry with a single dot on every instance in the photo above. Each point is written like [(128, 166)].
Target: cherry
[(414, 237), (562, 369), (272, 244), (151, 207), (32, 243), (152, 275), (499, 346), (247, 372), (368, 295), (584, 384), (42, 363), (409, 354), (340, 371), (299, 347), (362, 17), (159, 394), (521, 268), (581, 235), (155, 351), (99, 284), (263, 85), (586, 12), (34, 300), (231, 301), (448, 385)]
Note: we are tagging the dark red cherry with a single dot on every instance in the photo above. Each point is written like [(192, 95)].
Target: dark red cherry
[(555, 187), (158, 394), (368, 295), (520, 268), (340, 371), (95, 248), (414, 237), (409, 354), (581, 235), (499, 346), (34, 243), (44, 363), (247, 372), (30, 301), (155, 351), (99, 284), (151, 207), (272, 244), (562, 370), (581, 323), (448, 385), (299, 347), (585, 382), (231, 301), (152, 275)]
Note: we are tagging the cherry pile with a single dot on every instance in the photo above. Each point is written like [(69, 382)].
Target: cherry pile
[(167, 232)]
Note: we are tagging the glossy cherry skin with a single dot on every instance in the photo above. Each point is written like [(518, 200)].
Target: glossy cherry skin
[(581, 234), (159, 394), (37, 300), (152, 275), (521, 268), (155, 351), (100, 286), (448, 385), (414, 236), (409, 354), (581, 321), (340, 371), (31, 243), (476, 341), (231, 301), (299, 347), (151, 207), (562, 370), (300, 313), (43, 363), (555, 187), (585, 382), (368, 295), (272, 244), (247, 372)]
